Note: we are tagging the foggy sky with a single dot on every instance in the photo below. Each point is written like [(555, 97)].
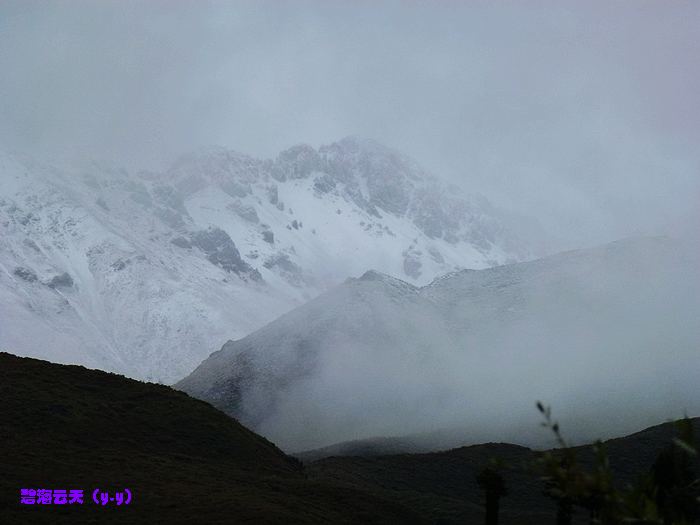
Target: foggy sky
[(585, 115)]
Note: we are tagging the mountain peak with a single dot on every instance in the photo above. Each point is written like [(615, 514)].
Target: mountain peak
[(218, 227), (374, 275)]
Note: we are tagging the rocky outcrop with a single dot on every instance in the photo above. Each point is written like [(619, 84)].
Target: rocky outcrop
[(221, 251), (63, 280), (26, 274)]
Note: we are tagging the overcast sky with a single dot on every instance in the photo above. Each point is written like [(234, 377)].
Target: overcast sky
[(585, 115)]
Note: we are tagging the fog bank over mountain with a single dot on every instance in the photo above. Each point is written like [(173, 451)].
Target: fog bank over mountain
[(584, 116), (609, 336)]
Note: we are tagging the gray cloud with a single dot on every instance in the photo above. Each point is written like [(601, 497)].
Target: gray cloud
[(583, 115)]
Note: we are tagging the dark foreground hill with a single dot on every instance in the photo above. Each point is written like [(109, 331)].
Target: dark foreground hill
[(443, 485), (65, 427)]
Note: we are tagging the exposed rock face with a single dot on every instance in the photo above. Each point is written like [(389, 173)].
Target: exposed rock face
[(181, 242), (32, 245), (272, 194), (235, 189), (221, 250), (287, 268), (25, 274), (170, 198), (324, 184), (171, 218), (245, 211), (63, 280), (297, 162), (411, 263)]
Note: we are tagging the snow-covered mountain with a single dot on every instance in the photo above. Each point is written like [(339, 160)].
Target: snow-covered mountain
[(610, 336), (145, 273)]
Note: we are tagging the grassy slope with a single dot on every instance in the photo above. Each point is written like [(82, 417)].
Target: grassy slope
[(443, 484), (184, 461)]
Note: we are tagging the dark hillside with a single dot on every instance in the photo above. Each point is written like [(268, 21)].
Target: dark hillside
[(184, 461), (443, 484), (66, 427)]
